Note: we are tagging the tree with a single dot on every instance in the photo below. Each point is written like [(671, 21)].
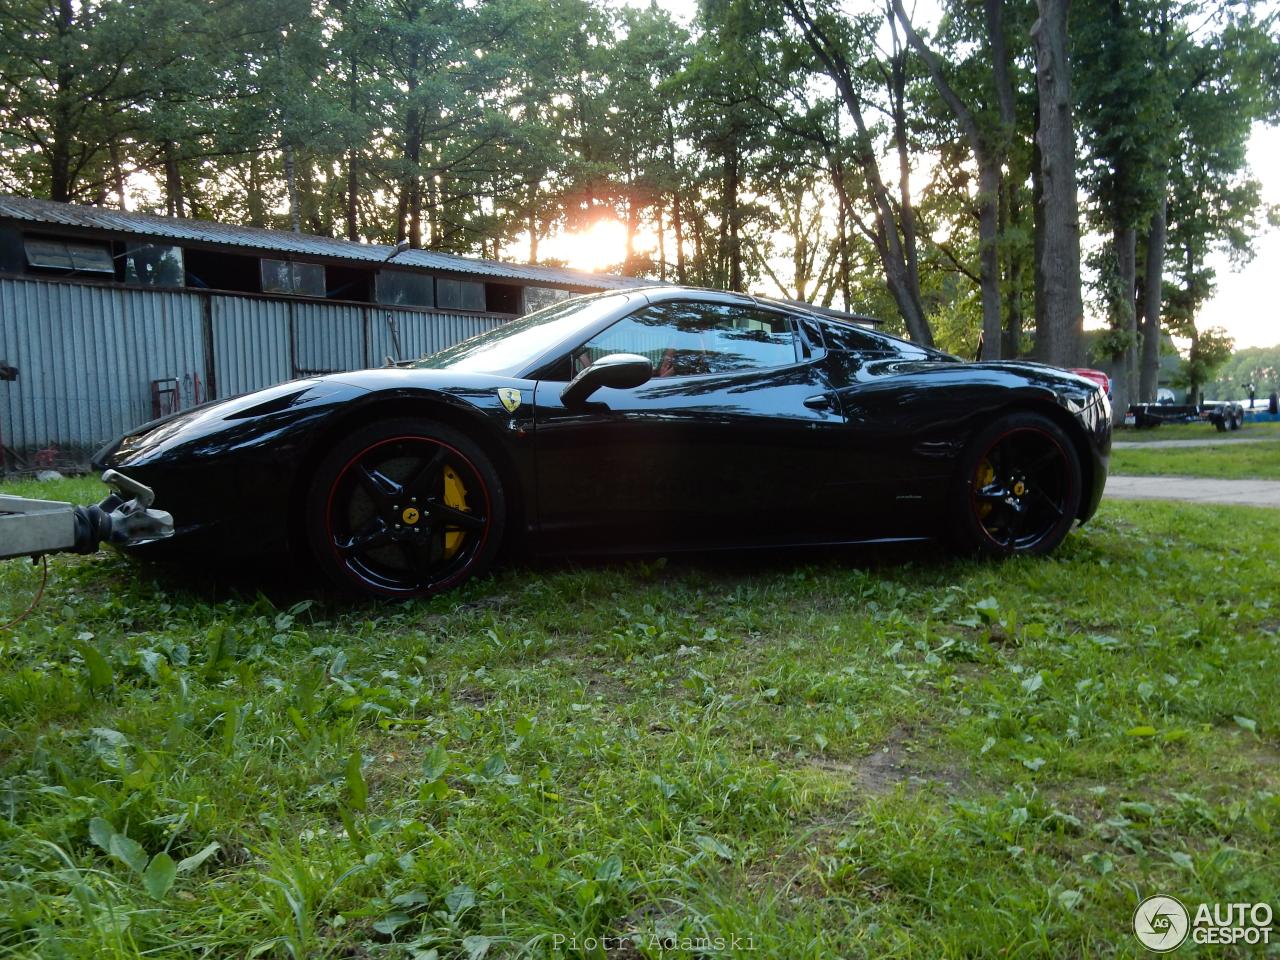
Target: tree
[(831, 39), (987, 139), (1209, 350), (1125, 114), (1060, 327)]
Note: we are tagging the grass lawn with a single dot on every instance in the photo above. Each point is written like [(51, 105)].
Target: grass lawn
[(864, 754), (1198, 431), (1231, 460)]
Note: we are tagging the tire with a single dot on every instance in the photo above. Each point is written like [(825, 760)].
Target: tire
[(404, 508), (1017, 489), (1236, 419), (1221, 424)]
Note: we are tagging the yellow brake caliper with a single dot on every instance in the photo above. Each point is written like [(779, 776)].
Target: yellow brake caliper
[(986, 474), (455, 496)]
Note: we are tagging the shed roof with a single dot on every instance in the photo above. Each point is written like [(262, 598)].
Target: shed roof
[(48, 212)]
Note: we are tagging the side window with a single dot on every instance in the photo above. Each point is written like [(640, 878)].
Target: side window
[(851, 339), (811, 336), (688, 338)]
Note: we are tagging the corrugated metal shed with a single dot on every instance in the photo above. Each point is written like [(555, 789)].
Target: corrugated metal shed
[(88, 354), (302, 244)]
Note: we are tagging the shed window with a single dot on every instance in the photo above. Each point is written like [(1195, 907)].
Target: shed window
[(153, 265), (76, 257), (400, 288), (297, 279), (459, 294)]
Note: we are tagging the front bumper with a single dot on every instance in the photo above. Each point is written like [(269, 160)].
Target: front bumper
[(230, 473), (1096, 421)]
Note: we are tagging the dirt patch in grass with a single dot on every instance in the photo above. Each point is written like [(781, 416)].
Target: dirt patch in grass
[(895, 761)]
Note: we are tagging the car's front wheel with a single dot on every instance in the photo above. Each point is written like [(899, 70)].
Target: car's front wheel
[(403, 508), (1018, 487)]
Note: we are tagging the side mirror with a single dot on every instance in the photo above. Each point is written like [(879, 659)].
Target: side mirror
[(618, 370)]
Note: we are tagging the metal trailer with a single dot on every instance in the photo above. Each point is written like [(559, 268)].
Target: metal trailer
[(1225, 415), (34, 528)]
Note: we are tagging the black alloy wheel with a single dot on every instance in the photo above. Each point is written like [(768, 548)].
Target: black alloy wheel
[(404, 509), (1020, 487)]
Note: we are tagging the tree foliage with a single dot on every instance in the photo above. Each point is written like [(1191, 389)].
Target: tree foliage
[(841, 153)]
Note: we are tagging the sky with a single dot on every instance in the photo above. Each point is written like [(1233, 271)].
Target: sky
[(1246, 302)]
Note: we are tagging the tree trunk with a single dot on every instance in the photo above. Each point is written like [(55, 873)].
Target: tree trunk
[(906, 206), (117, 175), (1014, 273), (313, 218), (291, 183), (62, 134), (353, 154), (1125, 240), (662, 242), (1148, 380), (699, 250), (533, 236), (409, 203), (677, 214), (1011, 216), (633, 227), (415, 212), (843, 240), (677, 223), (173, 181), (733, 215), (989, 257), (254, 201), (1060, 331), (1037, 226), (353, 194)]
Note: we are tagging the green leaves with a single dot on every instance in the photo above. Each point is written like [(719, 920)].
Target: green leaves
[(129, 852), (357, 789), (159, 873), (435, 763), (188, 864), (715, 847), (459, 899), (100, 675)]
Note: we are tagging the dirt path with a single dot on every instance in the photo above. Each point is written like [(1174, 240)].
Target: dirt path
[(1253, 493), (1175, 444)]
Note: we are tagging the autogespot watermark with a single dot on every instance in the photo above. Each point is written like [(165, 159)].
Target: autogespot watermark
[(1161, 923)]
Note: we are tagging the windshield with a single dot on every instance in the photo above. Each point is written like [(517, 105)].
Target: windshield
[(512, 345)]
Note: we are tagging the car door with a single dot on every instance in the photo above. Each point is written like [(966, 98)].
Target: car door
[(720, 447), (891, 466)]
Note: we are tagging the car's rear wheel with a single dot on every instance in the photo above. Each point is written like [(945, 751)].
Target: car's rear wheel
[(404, 508), (1018, 488)]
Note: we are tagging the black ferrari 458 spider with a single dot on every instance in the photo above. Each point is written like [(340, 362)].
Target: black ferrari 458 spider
[(651, 420)]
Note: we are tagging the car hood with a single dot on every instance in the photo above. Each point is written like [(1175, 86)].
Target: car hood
[(264, 416)]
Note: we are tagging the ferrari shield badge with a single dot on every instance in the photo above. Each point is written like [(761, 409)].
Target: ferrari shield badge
[(510, 398)]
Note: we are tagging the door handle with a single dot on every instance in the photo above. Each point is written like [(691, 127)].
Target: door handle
[(819, 402)]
